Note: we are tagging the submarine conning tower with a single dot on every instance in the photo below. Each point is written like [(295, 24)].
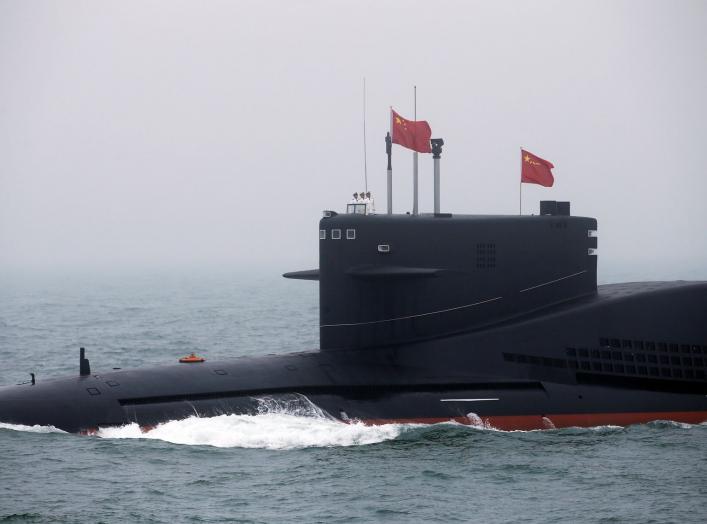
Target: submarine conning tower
[(393, 279)]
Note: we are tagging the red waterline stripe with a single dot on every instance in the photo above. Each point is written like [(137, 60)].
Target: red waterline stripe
[(563, 420)]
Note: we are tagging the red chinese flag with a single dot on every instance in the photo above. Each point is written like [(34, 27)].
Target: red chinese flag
[(413, 134), (535, 170)]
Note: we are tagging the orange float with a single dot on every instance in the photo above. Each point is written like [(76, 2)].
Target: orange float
[(192, 359)]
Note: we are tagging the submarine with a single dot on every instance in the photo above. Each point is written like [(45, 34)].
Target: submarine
[(424, 318)]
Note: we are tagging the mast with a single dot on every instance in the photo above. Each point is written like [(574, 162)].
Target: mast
[(365, 156), (437, 144)]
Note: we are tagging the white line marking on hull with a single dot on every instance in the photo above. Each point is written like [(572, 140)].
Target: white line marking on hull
[(466, 399)]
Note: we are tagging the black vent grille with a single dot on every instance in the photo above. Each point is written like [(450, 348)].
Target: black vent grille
[(639, 358), (485, 256)]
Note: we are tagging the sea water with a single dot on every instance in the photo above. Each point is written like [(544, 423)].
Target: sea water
[(292, 462)]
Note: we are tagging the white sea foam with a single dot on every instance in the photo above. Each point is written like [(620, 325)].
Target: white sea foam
[(285, 422), (476, 422), (267, 431), (30, 429)]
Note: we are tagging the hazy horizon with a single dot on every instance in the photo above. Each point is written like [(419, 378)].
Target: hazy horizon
[(208, 136)]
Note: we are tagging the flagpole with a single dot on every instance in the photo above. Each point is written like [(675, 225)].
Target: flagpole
[(389, 152), (520, 185), (414, 164)]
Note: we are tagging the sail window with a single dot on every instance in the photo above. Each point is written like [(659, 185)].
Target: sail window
[(384, 248), (350, 234), (336, 234), (322, 234), (356, 209)]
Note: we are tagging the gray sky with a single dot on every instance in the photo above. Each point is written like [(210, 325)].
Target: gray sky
[(192, 134)]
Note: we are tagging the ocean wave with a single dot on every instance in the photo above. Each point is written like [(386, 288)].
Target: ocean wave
[(672, 424), (30, 429)]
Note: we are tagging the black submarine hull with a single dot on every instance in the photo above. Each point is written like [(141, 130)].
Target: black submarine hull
[(630, 353)]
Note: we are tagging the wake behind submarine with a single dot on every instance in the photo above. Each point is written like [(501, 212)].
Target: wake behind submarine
[(493, 320)]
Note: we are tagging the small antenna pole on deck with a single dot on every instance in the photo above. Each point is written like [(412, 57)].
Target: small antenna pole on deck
[(84, 365)]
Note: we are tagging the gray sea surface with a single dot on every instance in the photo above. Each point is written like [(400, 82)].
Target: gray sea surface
[(288, 465)]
